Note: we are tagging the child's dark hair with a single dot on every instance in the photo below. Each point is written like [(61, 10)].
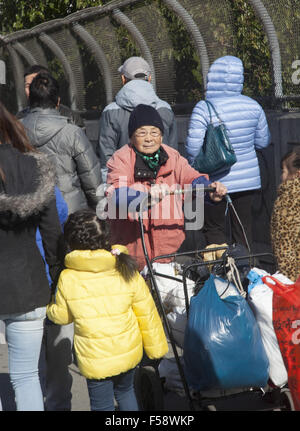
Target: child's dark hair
[(292, 160), (85, 231)]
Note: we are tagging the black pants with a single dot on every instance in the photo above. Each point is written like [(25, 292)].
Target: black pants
[(217, 229)]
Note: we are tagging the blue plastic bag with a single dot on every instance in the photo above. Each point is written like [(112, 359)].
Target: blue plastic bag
[(223, 348)]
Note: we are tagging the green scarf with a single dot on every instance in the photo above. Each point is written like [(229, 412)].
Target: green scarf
[(151, 160)]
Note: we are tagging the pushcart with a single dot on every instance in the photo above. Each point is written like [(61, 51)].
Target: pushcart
[(149, 384)]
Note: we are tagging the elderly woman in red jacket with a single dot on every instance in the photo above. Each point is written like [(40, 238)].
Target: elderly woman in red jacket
[(146, 166)]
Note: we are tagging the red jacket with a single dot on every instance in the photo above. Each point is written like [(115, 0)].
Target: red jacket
[(164, 223)]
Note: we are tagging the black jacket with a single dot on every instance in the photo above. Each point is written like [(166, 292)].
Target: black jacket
[(27, 201), (77, 166)]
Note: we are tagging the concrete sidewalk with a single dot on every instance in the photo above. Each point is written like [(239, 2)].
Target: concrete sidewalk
[(80, 398), (247, 401)]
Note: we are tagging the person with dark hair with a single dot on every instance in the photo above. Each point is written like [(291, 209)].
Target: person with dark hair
[(114, 315), (78, 177), (29, 75), (77, 166), (27, 202), (137, 89), (285, 219), (148, 167)]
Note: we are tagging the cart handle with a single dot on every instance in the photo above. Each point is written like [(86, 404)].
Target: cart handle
[(208, 189), (143, 205), (205, 189), (145, 202), (182, 191)]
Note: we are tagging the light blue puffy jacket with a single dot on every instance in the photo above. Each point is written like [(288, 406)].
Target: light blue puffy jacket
[(244, 118)]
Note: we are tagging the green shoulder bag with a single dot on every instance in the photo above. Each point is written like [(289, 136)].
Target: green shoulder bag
[(216, 154)]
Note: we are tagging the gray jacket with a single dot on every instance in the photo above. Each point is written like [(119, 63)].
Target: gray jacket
[(77, 166), (114, 119)]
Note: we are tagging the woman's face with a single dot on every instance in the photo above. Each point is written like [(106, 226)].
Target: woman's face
[(286, 174), (147, 139)]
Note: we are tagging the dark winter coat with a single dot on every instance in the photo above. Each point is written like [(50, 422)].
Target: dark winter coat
[(77, 166), (27, 201)]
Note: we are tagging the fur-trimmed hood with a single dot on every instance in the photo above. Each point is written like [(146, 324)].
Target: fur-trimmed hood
[(28, 185)]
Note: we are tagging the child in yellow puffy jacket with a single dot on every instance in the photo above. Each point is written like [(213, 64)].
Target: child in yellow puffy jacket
[(114, 315)]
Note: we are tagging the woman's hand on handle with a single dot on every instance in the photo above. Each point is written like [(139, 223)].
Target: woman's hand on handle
[(219, 193)]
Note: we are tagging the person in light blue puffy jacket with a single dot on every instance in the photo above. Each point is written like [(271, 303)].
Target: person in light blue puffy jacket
[(248, 131)]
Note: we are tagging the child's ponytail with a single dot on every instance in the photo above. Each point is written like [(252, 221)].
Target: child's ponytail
[(126, 265)]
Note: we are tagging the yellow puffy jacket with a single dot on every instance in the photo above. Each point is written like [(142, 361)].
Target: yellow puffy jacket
[(113, 319)]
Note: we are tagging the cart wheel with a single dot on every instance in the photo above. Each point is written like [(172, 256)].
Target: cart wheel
[(286, 401), (148, 389)]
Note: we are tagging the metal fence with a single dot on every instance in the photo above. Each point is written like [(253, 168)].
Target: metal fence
[(85, 49)]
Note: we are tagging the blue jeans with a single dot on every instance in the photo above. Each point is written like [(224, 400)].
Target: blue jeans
[(102, 392), (24, 333)]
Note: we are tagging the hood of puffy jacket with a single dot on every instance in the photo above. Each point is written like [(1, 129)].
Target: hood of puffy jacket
[(225, 77), (137, 92), (43, 124), (93, 260), (28, 185)]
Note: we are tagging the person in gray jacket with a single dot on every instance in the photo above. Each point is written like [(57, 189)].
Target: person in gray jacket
[(137, 89), (77, 165), (78, 177)]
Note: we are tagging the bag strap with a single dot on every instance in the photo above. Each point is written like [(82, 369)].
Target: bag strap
[(233, 276), (228, 226), (277, 286), (208, 103), (228, 222)]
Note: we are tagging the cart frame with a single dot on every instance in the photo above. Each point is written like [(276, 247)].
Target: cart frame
[(275, 399)]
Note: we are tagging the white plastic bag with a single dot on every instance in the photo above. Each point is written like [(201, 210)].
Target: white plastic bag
[(260, 299), (171, 291), (177, 322)]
